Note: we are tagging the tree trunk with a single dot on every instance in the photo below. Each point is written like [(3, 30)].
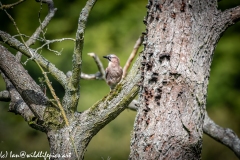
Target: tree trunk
[(178, 48)]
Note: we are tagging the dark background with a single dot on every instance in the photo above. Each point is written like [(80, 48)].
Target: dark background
[(113, 27)]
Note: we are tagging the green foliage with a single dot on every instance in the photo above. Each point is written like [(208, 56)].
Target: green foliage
[(113, 27)]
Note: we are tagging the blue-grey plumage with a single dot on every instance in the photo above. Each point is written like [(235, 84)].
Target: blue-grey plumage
[(114, 71)]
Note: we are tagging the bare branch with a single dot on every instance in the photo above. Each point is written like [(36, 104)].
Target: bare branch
[(50, 15), (233, 13), (98, 75), (99, 65), (8, 6), (227, 18), (14, 43), (72, 94), (77, 56), (223, 135), (5, 96), (132, 55)]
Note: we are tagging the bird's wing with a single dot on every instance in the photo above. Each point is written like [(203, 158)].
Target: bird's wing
[(113, 74), (107, 73)]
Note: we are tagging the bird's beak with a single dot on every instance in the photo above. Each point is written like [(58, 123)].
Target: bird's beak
[(107, 57)]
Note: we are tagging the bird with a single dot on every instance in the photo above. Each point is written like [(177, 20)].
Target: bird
[(113, 72)]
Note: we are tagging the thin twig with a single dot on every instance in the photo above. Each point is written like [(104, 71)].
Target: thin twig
[(8, 6), (35, 35), (132, 55), (40, 22), (29, 37), (45, 22), (54, 94), (97, 75), (85, 76), (14, 23), (47, 42)]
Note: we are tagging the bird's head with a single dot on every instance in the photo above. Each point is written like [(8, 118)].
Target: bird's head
[(112, 58)]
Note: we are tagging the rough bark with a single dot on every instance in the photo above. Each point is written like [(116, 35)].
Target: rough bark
[(178, 47)]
